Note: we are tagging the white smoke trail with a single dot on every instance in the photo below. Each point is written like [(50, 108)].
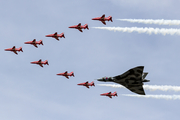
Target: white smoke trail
[(167, 97), (151, 21), (149, 31), (149, 87)]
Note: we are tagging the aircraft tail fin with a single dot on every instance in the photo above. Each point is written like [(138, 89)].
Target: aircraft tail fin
[(110, 18), (63, 35), (41, 42), (86, 26), (20, 49), (115, 94), (46, 62), (144, 76), (72, 74), (92, 83)]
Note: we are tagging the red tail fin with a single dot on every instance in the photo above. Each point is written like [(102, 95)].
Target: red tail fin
[(46, 62), (86, 26), (115, 94), (63, 35), (72, 74), (110, 18), (20, 49), (41, 42), (92, 83)]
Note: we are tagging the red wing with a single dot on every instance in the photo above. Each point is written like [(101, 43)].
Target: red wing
[(80, 30), (103, 16), (15, 52), (35, 45), (79, 25), (87, 86), (103, 22), (34, 41), (109, 93), (67, 77), (56, 38), (13, 48), (41, 65), (55, 34), (40, 61), (110, 96)]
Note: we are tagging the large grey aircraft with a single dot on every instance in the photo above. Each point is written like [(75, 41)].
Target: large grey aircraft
[(132, 79)]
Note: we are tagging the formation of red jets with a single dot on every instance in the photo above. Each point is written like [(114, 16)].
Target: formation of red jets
[(57, 36)]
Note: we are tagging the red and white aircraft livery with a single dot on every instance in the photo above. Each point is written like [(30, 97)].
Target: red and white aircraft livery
[(87, 84), (66, 74), (79, 27), (40, 62), (56, 36), (34, 42), (109, 94), (14, 49), (103, 19)]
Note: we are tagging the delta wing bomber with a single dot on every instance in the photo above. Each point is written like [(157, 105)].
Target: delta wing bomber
[(132, 79)]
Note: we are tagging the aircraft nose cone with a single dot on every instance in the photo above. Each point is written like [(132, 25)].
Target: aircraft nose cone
[(100, 80)]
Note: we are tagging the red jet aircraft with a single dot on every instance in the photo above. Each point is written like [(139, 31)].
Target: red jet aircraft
[(34, 42), (79, 27), (109, 94), (103, 19), (14, 49), (55, 35), (87, 84), (66, 74), (40, 62)]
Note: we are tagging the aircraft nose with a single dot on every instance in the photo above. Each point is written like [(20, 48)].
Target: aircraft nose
[(100, 80)]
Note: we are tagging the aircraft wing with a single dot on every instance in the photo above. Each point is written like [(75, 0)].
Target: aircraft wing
[(134, 74), (103, 22), (87, 86), (103, 16), (41, 65), (34, 41), (35, 45), (80, 30), (39, 60), (79, 25), (136, 89), (15, 52), (55, 34), (110, 96), (56, 38), (67, 77), (13, 48), (132, 80)]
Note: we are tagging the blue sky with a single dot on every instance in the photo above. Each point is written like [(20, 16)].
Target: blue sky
[(29, 92)]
